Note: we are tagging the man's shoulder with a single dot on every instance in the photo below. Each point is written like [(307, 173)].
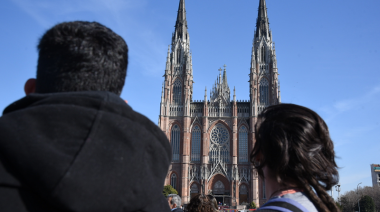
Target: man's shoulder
[(178, 210)]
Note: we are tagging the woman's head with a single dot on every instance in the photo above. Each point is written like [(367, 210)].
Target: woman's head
[(202, 203), (293, 142)]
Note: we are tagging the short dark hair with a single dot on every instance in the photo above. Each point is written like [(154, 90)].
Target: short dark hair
[(81, 56), (294, 143)]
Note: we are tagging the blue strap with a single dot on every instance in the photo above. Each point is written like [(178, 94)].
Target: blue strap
[(276, 208), (287, 200)]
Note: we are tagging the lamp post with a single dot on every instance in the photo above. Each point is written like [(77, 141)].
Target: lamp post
[(337, 187), (357, 192)]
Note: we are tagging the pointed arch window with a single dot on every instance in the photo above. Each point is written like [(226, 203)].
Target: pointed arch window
[(178, 55), (219, 144), (263, 54), (243, 144), (173, 181), (175, 141), (264, 91), (177, 92), (196, 144)]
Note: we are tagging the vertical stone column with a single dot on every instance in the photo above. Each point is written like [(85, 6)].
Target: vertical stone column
[(185, 160), (205, 141), (233, 193), (234, 134), (254, 188)]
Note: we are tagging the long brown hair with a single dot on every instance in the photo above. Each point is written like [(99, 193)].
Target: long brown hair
[(294, 142)]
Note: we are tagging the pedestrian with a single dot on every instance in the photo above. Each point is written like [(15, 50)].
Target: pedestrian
[(294, 155)]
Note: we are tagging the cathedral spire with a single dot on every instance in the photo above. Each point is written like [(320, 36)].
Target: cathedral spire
[(181, 23), (225, 75), (262, 23)]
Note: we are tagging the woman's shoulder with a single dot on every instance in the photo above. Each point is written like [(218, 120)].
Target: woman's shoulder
[(289, 201)]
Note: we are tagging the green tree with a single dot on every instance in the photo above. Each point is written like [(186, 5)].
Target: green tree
[(252, 205), (168, 189), (366, 204), (339, 206)]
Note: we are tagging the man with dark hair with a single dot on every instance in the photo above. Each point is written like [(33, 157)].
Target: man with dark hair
[(72, 144)]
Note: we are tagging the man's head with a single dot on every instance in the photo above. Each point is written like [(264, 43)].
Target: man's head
[(174, 201), (80, 56)]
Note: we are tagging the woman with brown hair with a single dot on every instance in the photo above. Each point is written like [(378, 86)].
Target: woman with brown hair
[(294, 155), (202, 203)]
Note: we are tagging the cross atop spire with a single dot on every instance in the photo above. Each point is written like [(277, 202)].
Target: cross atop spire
[(262, 23)]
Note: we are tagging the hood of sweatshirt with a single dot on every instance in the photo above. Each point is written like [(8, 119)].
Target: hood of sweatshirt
[(81, 151)]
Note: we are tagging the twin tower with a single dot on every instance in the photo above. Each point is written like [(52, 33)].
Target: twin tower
[(211, 139)]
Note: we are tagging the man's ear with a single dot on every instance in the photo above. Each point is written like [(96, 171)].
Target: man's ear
[(30, 86)]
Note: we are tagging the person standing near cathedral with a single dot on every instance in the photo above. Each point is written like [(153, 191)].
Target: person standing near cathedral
[(295, 156), (72, 144), (175, 201)]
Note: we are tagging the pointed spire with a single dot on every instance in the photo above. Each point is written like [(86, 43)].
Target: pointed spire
[(168, 60), (262, 23), (234, 95), (181, 23), (162, 93), (225, 75), (205, 94)]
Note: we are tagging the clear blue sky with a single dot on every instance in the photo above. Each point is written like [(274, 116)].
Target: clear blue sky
[(328, 54)]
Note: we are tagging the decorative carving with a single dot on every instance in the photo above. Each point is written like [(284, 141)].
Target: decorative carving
[(244, 175), (193, 173), (235, 173), (228, 122), (220, 168), (196, 121), (243, 121), (205, 172)]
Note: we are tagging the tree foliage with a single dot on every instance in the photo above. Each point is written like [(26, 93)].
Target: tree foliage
[(349, 200), (366, 204), (168, 189), (252, 205)]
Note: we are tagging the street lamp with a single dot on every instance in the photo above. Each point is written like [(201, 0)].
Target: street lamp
[(337, 187), (357, 192)]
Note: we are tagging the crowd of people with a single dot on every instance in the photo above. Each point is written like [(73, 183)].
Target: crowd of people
[(72, 144)]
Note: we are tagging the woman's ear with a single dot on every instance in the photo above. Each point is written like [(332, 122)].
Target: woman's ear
[(258, 157), (30, 86)]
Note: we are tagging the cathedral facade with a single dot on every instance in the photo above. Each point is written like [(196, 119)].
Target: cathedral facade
[(212, 138)]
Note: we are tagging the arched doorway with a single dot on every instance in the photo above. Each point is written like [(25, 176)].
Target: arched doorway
[(243, 194), (219, 192), (194, 190)]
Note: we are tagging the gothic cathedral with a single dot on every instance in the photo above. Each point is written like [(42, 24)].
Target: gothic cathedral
[(211, 139)]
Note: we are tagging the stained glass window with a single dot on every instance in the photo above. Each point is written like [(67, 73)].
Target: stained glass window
[(196, 144), (175, 141), (243, 144), (220, 144)]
